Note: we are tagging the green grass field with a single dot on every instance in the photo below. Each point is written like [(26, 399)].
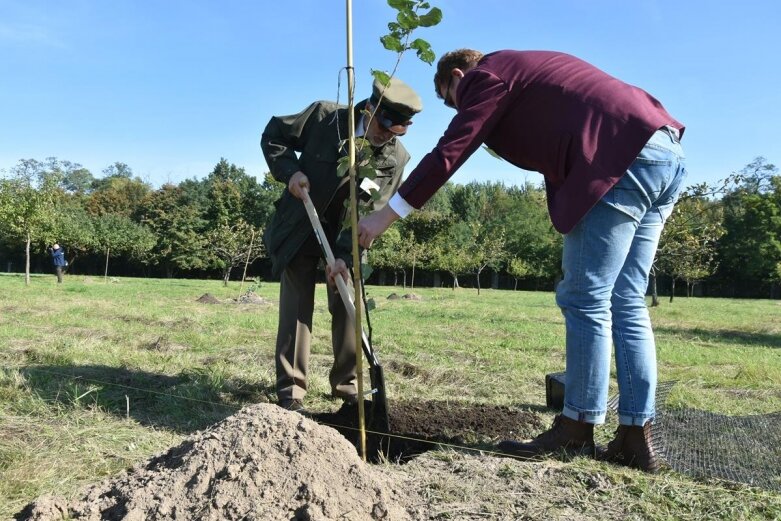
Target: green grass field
[(96, 377)]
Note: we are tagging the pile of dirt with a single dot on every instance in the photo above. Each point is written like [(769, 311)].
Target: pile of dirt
[(262, 463), (252, 298), (412, 296), (208, 298)]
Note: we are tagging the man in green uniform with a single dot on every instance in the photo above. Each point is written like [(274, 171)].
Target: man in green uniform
[(302, 151)]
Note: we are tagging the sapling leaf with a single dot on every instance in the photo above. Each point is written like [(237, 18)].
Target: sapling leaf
[(392, 43), (367, 170), (401, 4), (343, 166), (424, 51), (407, 20), (433, 17)]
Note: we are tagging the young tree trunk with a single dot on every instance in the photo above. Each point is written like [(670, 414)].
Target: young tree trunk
[(654, 293), (404, 286), (412, 280), (226, 275), (478, 281), (395, 278), (105, 272), (27, 261), (516, 285), (455, 281), (672, 289)]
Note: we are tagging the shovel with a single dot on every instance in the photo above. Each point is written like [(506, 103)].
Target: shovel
[(379, 409)]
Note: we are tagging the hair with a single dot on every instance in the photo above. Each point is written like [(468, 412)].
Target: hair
[(459, 59)]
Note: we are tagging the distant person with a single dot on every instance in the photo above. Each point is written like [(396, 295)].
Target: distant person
[(302, 151), (613, 167), (58, 259)]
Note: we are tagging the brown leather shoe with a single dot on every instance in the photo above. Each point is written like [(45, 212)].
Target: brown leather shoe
[(565, 434), (634, 448)]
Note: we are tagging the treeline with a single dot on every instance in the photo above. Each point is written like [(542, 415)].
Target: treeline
[(723, 239)]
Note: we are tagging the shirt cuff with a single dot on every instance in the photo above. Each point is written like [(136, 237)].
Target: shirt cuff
[(400, 206)]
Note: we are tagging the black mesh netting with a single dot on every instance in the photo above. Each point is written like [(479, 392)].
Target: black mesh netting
[(742, 449)]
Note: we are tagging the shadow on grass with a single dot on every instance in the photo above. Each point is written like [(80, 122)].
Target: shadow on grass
[(182, 403), (723, 336)]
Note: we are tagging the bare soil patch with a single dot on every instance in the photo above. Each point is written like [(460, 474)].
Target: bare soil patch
[(416, 427)]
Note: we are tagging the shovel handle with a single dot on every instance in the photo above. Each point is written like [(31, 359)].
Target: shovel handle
[(341, 285), (329, 255)]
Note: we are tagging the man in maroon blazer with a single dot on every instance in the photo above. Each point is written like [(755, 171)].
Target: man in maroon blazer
[(613, 167)]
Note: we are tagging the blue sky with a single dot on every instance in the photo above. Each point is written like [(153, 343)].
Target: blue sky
[(171, 87)]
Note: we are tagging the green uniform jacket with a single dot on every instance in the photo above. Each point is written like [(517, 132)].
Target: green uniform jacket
[(310, 142)]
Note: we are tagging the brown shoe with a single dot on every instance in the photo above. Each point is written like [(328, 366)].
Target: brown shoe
[(633, 447), (565, 434)]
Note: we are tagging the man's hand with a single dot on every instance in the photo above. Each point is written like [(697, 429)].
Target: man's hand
[(340, 269), (375, 224), (298, 183)]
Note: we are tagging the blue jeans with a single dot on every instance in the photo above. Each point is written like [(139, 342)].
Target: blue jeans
[(606, 261)]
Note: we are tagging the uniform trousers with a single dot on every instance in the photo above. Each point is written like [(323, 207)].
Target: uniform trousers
[(294, 336)]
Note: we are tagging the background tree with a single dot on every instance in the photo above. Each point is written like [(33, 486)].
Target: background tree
[(453, 253), (234, 245), (119, 192), (116, 234), (385, 253), (750, 250), (28, 205), (529, 234), (487, 250), (74, 228), (179, 229), (518, 269), (688, 245)]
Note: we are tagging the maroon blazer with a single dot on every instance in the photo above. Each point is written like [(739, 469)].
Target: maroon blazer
[(548, 112)]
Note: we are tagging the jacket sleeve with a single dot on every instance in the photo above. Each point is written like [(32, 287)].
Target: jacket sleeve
[(482, 99), (282, 138)]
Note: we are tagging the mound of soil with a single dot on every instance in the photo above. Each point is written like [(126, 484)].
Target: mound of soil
[(417, 427), (412, 296), (208, 298), (262, 463), (252, 298), (394, 296)]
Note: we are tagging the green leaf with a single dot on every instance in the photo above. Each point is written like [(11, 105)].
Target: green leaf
[(431, 18), (370, 304), (366, 271), (381, 76), (367, 171), (376, 195), (401, 4), (343, 166), (424, 51), (407, 20), (392, 43)]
